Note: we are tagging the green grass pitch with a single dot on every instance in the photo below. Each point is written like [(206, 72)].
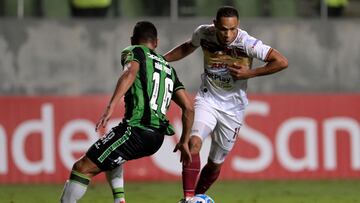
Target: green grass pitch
[(222, 192)]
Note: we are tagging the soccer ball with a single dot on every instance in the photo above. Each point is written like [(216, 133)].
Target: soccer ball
[(201, 198)]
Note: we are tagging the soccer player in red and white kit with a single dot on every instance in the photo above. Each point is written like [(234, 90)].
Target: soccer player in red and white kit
[(221, 101)]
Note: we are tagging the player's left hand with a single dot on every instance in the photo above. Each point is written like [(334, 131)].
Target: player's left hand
[(185, 156), (240, 71)]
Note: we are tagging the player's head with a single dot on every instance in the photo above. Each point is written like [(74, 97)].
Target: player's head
[(145, 33), (226, 23)]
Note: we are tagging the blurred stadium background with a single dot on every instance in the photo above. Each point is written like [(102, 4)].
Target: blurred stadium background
[(57, 73)]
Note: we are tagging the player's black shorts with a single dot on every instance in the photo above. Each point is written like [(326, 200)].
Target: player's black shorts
[(124, 143)]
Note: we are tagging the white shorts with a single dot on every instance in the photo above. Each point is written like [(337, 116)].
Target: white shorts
[(223, 127)]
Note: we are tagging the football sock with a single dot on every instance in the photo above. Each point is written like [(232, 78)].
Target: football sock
[(75, 187), (190, 173), (207, 178), (116, 180), (118, 194)]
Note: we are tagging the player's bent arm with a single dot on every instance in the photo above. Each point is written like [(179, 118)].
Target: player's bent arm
[(182, 100), (180, 51), (123, 84), (125, 81), (275, 63)]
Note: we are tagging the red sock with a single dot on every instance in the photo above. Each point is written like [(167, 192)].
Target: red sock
[(190, 173), (207, 178)]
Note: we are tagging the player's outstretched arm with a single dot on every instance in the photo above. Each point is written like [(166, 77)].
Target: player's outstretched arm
[(125, 81), (182, 100), (275, 63), (180, 51)]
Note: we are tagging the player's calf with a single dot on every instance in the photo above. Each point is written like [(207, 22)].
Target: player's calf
[(75, 187), (189, 175), (209, 174)]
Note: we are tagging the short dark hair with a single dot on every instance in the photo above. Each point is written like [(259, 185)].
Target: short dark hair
[(144, 31), (226, 11)]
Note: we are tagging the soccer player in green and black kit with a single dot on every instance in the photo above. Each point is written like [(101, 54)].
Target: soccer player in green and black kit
[(149, 83)]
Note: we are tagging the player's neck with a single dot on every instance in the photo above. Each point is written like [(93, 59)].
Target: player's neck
[(149, 44)]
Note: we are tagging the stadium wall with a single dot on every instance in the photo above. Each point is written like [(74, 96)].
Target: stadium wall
[(83, 57)]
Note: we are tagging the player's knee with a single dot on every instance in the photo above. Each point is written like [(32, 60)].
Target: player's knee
[(195, 144), (82, 166), (86, 167), (79, 166)]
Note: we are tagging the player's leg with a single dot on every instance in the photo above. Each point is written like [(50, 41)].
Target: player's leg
[(83, 170), (115, 178), (97, 159), (191, 171), (224, 137), (134, 144), (204, 123), (211, 171)]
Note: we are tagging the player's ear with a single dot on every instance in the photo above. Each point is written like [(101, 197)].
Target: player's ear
[(156, 42), (132, 40)]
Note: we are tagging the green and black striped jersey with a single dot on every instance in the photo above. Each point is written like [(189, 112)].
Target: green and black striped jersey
[(148, 99)]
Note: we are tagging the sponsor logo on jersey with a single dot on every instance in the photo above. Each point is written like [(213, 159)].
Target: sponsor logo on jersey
[(222, 80), (156, 58), (162, 67)]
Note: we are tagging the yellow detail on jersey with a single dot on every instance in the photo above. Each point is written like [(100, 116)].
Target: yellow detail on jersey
[(216, 67), (219, 58)]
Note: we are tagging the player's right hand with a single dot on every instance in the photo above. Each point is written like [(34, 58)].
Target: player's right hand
[(101, 124), (185, 156)]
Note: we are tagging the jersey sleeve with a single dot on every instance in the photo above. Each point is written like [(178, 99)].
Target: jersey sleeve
[(177, 84), (135, 54), (255, 48), (196, 36)]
